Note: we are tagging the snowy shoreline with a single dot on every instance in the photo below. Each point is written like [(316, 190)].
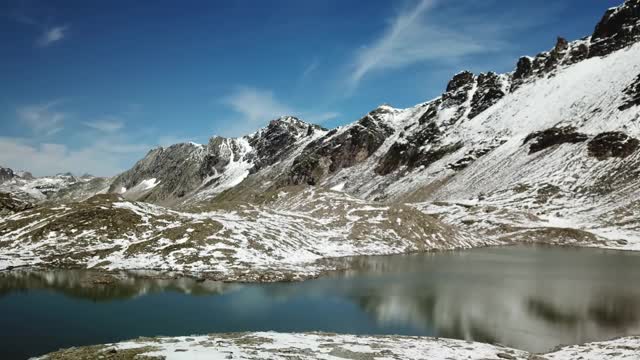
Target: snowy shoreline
[(271, 345), (320, 268)]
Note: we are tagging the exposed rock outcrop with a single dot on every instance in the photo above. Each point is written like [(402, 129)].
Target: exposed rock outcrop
[(619, 27), (458, 93), (631, 95), (10, 205), (545, 63), (175, 170), (420, 149), (6, 174), (339, 150), (541, 140), (274, 141), (612, 144), (490, 90)]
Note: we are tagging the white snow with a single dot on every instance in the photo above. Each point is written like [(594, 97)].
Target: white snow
[(145, 185), (282, 346)]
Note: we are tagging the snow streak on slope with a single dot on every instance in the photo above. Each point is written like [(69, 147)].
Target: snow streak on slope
[(237, 169)]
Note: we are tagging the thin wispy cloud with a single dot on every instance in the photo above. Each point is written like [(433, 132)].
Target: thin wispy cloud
[(416, 35), (103, 158), (52, 35), (101, 147), (256, 107), (309, 69), (42, 119), (107, 125), (49, 34)]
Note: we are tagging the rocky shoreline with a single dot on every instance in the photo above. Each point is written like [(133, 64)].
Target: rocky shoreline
[(322, 267), (271, 345)]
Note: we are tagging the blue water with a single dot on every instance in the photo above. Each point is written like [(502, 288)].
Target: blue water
[(533, 298)]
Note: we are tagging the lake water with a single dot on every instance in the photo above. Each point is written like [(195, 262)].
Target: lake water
[(532, 298)]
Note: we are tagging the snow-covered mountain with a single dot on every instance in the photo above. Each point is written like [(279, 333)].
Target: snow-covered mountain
[(547, 153), (192, 171), (588, 87), (61, 187)]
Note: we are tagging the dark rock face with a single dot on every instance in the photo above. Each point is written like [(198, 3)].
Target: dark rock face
[(458, 89), (578, 53), (430, 114), (473, 155), (9, 205), (458, 92), (555, 55), (488, 93), (421, 149), (220, 152), (545, 63), (632, 95), (333, 152), (541, 140), (175, 167), (6, 174), (612, 144), (459, 81), (407, 155), (277, 139), (524, 70), (618, 28)]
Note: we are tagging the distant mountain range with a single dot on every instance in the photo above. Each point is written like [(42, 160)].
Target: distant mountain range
[(547, 153)]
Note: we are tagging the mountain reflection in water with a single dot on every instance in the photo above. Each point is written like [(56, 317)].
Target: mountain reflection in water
[(525, 297), (532, 298)]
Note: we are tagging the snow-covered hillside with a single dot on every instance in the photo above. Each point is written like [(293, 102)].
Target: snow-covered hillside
[(270, 345), (287, 241), (62, 187)]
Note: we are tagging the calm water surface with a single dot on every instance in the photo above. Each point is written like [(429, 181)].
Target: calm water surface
[(533, 298)]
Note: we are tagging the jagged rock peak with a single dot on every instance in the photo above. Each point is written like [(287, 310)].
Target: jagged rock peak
[(287, 119), (564, 53), (491, 87), (619, 27), (286, 124), (561, 44), (185, 147), (460, 80), (524, 68), (6, 174)]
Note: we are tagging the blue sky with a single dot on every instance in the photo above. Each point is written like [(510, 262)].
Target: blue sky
[(91, 86)]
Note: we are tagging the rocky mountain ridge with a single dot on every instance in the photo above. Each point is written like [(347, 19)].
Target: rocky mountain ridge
[(24, 186), (390, 144)]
